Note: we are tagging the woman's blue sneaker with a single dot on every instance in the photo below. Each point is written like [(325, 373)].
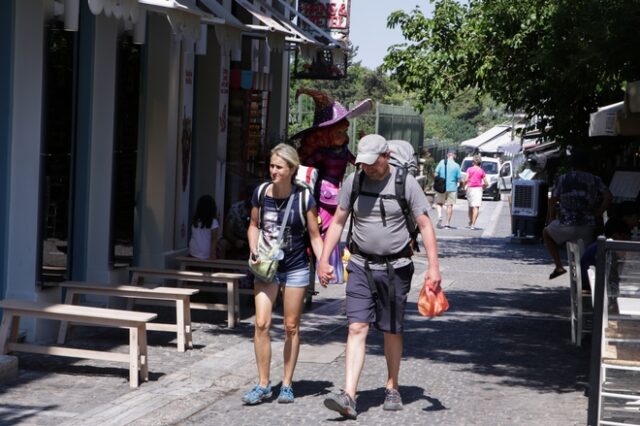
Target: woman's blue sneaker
[(257, 395), (286, 395)]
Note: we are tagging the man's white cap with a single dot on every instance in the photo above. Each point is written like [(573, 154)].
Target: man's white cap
[(370, 147)]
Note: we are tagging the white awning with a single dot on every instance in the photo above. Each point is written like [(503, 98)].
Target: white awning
[(274, 21), (186, 7), (184, 16), (603, 121), (318, 33), (270, 24), (223, 13), (505, 143), (485, 137), (302, 35)]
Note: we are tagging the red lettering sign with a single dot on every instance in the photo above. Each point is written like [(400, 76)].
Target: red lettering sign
[(330, 15)]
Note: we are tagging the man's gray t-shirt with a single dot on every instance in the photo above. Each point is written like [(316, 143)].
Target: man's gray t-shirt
[(371, 233)]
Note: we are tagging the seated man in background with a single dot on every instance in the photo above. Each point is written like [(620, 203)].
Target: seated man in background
[(577, 199)]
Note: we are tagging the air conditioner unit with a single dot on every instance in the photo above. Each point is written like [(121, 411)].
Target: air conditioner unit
[(528, 207), (525, 197)]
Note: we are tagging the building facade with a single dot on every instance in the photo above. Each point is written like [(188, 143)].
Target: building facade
[(117, 115)]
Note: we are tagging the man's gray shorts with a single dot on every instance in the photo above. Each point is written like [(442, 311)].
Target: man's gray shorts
[(361, 306)]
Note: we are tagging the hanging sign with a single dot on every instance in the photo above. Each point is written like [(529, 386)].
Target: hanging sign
[(330, 15)]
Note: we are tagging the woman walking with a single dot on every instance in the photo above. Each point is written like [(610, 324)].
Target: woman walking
[(292, 276), (475, 182)]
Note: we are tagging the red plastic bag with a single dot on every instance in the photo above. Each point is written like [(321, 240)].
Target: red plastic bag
[(432, 303)]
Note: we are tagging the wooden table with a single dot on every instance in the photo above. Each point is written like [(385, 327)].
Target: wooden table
[(203, 281), (180, 296), (134, 321)]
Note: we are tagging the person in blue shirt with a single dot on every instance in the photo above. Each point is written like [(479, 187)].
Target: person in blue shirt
[(452, 177)]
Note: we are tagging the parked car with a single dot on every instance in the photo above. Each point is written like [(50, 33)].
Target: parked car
[(499, 174)]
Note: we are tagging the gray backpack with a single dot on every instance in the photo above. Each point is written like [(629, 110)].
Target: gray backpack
[(403, 156)]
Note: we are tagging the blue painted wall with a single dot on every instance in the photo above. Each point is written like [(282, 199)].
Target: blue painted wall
[(6, 49), (81, 156)]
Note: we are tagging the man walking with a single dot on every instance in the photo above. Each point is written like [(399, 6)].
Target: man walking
[(380, 268), (449, 170)]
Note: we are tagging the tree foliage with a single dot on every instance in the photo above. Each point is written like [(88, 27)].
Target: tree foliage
[(555, 59)]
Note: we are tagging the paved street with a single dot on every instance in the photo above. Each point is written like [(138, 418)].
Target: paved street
[(500, 356)]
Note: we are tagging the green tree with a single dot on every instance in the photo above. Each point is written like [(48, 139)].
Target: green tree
[(555, 59)]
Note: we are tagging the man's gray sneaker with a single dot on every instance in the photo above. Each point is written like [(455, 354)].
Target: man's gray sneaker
[(342, 403), (392, 400)]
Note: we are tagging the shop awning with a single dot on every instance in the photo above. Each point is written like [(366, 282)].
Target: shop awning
[(492, 133), (184, 16), (302, 35), (603, 121), (316, 32), (182, 7), (269, 23), (274, 21), (504, 143), (614, 120), (222, 12)]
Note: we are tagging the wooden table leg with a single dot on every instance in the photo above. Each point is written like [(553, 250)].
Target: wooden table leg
[(180, 324), (231, 309), (144, 357), (187, 322), (5, 328), (134, 356), (72, 298)]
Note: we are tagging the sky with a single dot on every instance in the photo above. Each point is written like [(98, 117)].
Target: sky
[(369, 27)]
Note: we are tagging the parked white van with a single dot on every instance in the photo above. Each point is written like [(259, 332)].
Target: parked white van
[(499, 174)]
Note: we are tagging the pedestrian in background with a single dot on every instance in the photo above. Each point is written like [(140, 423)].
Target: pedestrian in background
[(475, 182), (293, 267), (380, 268), (236, 225), (578, 201), (203, 243), (449, 170)]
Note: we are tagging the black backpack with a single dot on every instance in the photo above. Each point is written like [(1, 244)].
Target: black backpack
[(400, 181), (305, 193)]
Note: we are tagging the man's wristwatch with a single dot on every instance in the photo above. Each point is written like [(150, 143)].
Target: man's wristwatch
[(254, 257)]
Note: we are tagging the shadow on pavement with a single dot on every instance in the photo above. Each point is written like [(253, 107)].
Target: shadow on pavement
[(12, 414)]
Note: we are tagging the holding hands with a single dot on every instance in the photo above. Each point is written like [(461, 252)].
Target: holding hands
[(325, 273)]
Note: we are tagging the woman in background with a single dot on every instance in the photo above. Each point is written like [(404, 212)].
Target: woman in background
[(475, 182), (204, 229)]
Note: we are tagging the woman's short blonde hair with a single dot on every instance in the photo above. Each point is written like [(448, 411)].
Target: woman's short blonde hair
[(288, 154)]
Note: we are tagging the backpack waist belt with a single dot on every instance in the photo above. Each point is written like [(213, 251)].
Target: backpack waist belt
[(405, 252)]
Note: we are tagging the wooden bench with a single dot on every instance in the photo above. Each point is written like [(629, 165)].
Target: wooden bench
[(224, 264), (135, 321), (207, 279), (180, 296), (212, 265), (216, 265)]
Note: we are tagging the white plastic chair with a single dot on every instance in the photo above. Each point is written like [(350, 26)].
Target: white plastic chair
[(579, 297)]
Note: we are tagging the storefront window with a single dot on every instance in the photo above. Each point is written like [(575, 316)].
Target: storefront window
[(57, 154), (247, 150), (125, 154)]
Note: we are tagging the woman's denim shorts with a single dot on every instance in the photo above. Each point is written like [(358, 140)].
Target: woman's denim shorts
[(297, 278)]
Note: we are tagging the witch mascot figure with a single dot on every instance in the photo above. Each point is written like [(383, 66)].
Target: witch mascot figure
[(324, 146)]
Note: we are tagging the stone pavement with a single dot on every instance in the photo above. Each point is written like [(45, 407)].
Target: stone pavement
[(500, 356)]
